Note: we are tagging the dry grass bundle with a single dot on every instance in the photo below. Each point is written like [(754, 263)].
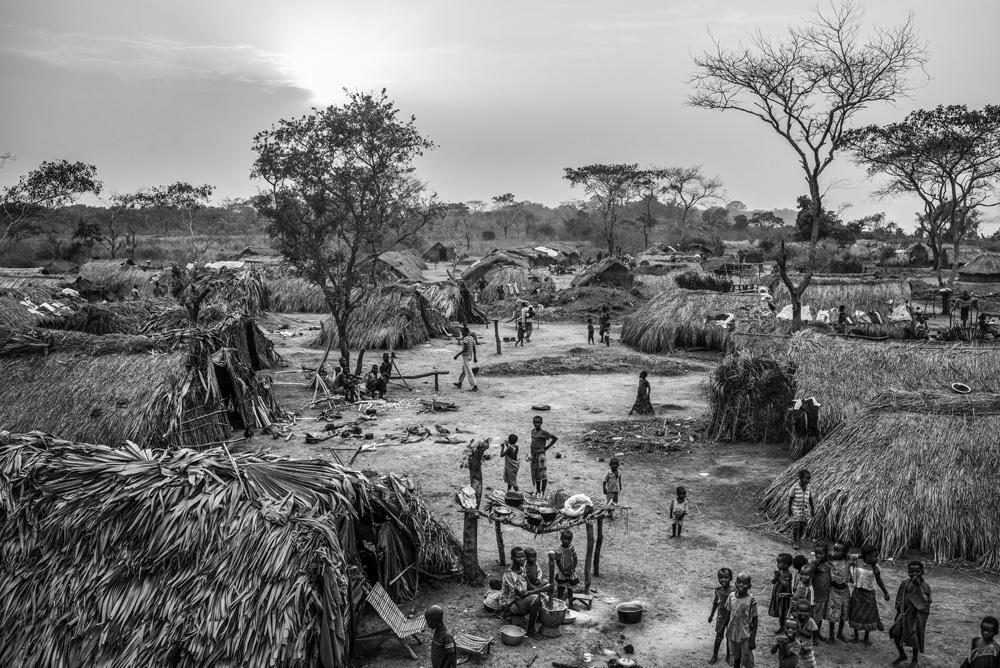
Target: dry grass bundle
[(292, 294), (246, 292), (14, 315), (118, 279), (443, 296), (145, 530), (857, 294), (914, 470), (749, 399), (530, 283), (127, 317), (698, 280), (677, 319), (846, 376)]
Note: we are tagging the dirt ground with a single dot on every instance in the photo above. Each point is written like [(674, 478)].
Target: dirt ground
[(673, 578)]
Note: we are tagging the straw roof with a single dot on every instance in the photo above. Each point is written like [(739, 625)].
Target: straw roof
[(984, 265), (676, 318), (503, 279), (749, 397), (485, 265), (610, 271), (445, 298), (914, 470), (13, 314), (395, 265), (292, 294), (856, 293)]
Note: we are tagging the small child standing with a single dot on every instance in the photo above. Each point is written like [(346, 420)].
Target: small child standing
[(798, 561), (985, 650), (821, 585), (913, 607), (864, 605), (807, 635), (803, 590), (511, 465), (837, 607), (781, 590), (678, 510), (612, 485), (444, 654), (787, 646), (590, 329), (722, 593), (566, 562), (741, 632), (520, 334)]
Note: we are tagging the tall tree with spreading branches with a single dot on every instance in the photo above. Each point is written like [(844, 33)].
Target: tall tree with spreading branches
[(50, 185), (808, 86), (506, 212), (612, 187), (649, 186), (948, 157), (341, 185), (690, 186)]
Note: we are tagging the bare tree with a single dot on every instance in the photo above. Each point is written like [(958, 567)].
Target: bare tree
[(649, 186), (807, 86), (689, 186)]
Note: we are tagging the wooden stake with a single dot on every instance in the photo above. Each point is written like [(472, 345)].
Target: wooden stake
[(597, 547), (588, 562), (500, 545), (496, 333)]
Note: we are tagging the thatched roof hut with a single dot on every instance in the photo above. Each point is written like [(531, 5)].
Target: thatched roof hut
[(439, 252), (494, 260), (175, 389), (748, 399), (913, 471), (389, 316), (856, 293), (445, 297), (293, 294), (190, 558), (985, 268), (679, 318), (920, 255), (390, 266), (610, 272)]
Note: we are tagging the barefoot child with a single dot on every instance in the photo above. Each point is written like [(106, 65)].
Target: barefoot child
[(541, 441), (443, 651), (821, 585), (837, 607), (803, 591), (787, 646), (741, 632), (913, 606), (781, 590), (722, 593), (864, 604), (511, 465), (566, 562), (798, 561), (612, 485), (536, 579), (807, 635), (985, 650), (678, 511), (800, 507), (590, 329)]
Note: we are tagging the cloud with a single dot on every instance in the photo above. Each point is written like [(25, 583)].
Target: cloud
[(149, 57), (686, 16)]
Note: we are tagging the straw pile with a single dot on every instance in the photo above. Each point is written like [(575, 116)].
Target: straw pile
[(445, 298), (914, 470), (177, 559), (857, 294), (118, 279), (291, 294), (677, 319), (14, 315), (749, 398), (846, 376)]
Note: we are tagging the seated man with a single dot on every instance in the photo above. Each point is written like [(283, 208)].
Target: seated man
[(515, 597), (345, 382)]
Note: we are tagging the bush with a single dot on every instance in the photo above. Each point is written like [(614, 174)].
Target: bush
[(696, 280), (846, 265)]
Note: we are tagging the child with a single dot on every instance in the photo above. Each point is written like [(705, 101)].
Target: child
[(678, 509), (798, 561), (722, 593), (985, 650), (612, 485), (800, 507), (787, 646), (781, 590), (864, 606), (375, 383), (536, 580), (913, 606), (838, 604), (807, 635), (520, 334), (135, 292), (511, 465), (590, 329), (642, 405), (443, 651), (741, 632), (566, 566), (541, 441), (821, 585), (803, 590)]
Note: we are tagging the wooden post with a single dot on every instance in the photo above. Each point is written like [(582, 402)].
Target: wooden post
[(435, 382), (496, 333), (552, 575), (597, 547), (500, 546), (361, 359), (474, 452), (588, 562)]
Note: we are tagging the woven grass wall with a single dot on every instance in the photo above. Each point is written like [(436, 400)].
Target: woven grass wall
[(748, 399), (829, 292), (914, 470)]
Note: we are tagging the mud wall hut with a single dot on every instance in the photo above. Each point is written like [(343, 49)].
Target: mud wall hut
[(440, 253), (984, 268)]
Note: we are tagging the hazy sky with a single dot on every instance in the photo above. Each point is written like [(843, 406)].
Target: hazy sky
[(511, 92)]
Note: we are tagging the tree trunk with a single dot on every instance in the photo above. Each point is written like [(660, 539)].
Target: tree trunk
[(954, 261), (470, 530)]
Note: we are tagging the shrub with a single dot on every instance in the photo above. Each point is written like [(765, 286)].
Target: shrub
[(696, 280)]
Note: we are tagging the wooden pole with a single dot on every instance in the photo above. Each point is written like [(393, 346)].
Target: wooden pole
[(496, 333), (552, 575), (500, 546), (588, 562), (361, 358), (597, 547)]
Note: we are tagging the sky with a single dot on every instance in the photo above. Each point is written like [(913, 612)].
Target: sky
[(153, 92)]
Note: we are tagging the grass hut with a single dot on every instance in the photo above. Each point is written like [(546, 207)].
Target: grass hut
[(13, 314), (985, 268), (439, 252), (175, 389), (609, 272), (445, 298), (912, 471), (390, 316), (920, 255), (856, 293), (748, 399), (678, 318), (391, 266), (187, 558), (478, 270), (292, 294)]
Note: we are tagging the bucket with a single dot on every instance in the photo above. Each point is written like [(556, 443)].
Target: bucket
[(629, 613)]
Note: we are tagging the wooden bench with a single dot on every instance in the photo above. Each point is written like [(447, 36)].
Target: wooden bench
[(586, 599), (397, 622)]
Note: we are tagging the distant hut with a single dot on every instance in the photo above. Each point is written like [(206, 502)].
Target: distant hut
[(391, 266), (911, 472), (440, 253), (485, 265), (920, 255), (985, 268), (569, 254), (609, 272)]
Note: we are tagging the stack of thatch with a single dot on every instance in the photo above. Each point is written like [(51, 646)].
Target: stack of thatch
[(294, 294), (914, 470), (749, 398), (857, 294), (494, 260), (445, 297)]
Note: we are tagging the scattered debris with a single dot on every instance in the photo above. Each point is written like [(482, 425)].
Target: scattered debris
[(435, 406), (650, 435)]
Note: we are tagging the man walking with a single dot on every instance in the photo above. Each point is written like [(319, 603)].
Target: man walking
[(468, 353)]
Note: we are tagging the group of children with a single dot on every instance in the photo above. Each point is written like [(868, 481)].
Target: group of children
[(604, 318), (836, 587)]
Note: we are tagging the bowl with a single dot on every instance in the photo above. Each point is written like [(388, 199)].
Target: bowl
[(548, 514), (533, 520), (626, 663), (501, 511), (570, 617), (511, 635), (629, 613)]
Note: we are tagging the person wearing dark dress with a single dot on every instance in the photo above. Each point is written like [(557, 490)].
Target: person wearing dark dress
[(642, 405)]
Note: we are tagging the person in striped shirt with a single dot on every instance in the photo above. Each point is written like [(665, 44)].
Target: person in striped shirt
[(800, 506)]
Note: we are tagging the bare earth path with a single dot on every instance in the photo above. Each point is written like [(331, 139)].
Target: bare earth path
[(674, 578)]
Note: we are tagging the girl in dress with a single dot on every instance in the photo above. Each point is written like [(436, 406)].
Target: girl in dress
[(642, 406), (864, 606), (508, 450)]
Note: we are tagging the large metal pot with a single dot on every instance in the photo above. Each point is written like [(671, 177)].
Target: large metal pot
[(511, 635), (629, 613)]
